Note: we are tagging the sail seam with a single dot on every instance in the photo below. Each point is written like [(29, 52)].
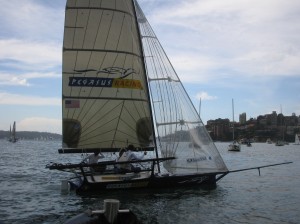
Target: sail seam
[(104, 98), (100, 8), (99, 50)]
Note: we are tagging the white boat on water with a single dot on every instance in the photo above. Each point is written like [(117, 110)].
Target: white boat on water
[(235, 146), (297, 139), (119, 88), (269, 141)]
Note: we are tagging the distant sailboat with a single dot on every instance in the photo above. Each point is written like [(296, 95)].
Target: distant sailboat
[(281, 141), (269, 141), (9, 137), (12, 134), (119, 88), (235, 145), (297, 139)]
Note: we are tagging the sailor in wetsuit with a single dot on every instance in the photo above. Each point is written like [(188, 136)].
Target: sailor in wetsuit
[(127, 154)]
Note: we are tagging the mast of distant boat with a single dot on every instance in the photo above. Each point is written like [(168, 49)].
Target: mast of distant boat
[(200, 108), (232, 119)]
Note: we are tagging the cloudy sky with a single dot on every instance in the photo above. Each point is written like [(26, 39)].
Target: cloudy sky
[(246, 50)]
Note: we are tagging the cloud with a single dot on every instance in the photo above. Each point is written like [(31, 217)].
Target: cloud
[(41, 124), (249, 38), (22, 54), (12, 80), (15, 99), (191, 67), (34, 20), (31, 36), (23, 79), (205, 96), (269, 63)]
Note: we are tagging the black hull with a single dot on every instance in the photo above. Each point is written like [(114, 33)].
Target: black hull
[(205, 181)]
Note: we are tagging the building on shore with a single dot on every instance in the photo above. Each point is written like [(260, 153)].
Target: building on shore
[(274, 126)]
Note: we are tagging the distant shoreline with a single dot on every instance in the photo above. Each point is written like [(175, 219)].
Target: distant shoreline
[(32, 135)]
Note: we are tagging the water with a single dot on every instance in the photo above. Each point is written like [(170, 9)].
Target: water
[(30, 193)]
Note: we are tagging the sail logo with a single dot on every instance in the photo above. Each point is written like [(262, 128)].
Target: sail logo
[(122, 72), (105, 82), (90, 82)]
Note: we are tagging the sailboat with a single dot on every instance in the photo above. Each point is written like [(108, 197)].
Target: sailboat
[(269, 141), (281, 141), (235, 145), (297, 139), (120, 89), (12, 134)]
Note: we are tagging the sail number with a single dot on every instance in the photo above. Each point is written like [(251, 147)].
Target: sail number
[(199, 159), (127, 185)]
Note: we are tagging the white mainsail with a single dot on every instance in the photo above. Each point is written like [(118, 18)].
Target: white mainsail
[(105, 93)]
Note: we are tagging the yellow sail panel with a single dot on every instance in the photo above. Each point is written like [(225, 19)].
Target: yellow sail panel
[(125, 83), (105, 97)]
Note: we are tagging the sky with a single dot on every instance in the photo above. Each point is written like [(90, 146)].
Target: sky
[(245, 50)]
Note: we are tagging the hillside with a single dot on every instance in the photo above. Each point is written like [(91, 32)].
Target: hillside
[(31, 135)]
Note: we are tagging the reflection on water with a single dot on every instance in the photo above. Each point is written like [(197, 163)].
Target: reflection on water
[(31, 194)]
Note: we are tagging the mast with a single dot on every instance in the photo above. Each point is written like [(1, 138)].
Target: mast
[(135, 4), (14, 131), (200, 108), (232, 119)]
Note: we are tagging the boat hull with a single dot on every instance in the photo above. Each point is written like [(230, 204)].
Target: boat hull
[(207, 181), (234, 148)]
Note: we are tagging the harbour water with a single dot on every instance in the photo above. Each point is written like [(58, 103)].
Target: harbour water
[(30, 193)]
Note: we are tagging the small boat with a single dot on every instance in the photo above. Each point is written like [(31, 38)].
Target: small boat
[(235, 145), (280, 143), (119, 88), (110, 214), (269, 141), (297, 139), (12, 134), (245, 141)]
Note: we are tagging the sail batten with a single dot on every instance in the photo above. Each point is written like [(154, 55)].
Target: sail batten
[(99, 8), (179, 122), (103, 98), (100, 50), (74, 27)]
